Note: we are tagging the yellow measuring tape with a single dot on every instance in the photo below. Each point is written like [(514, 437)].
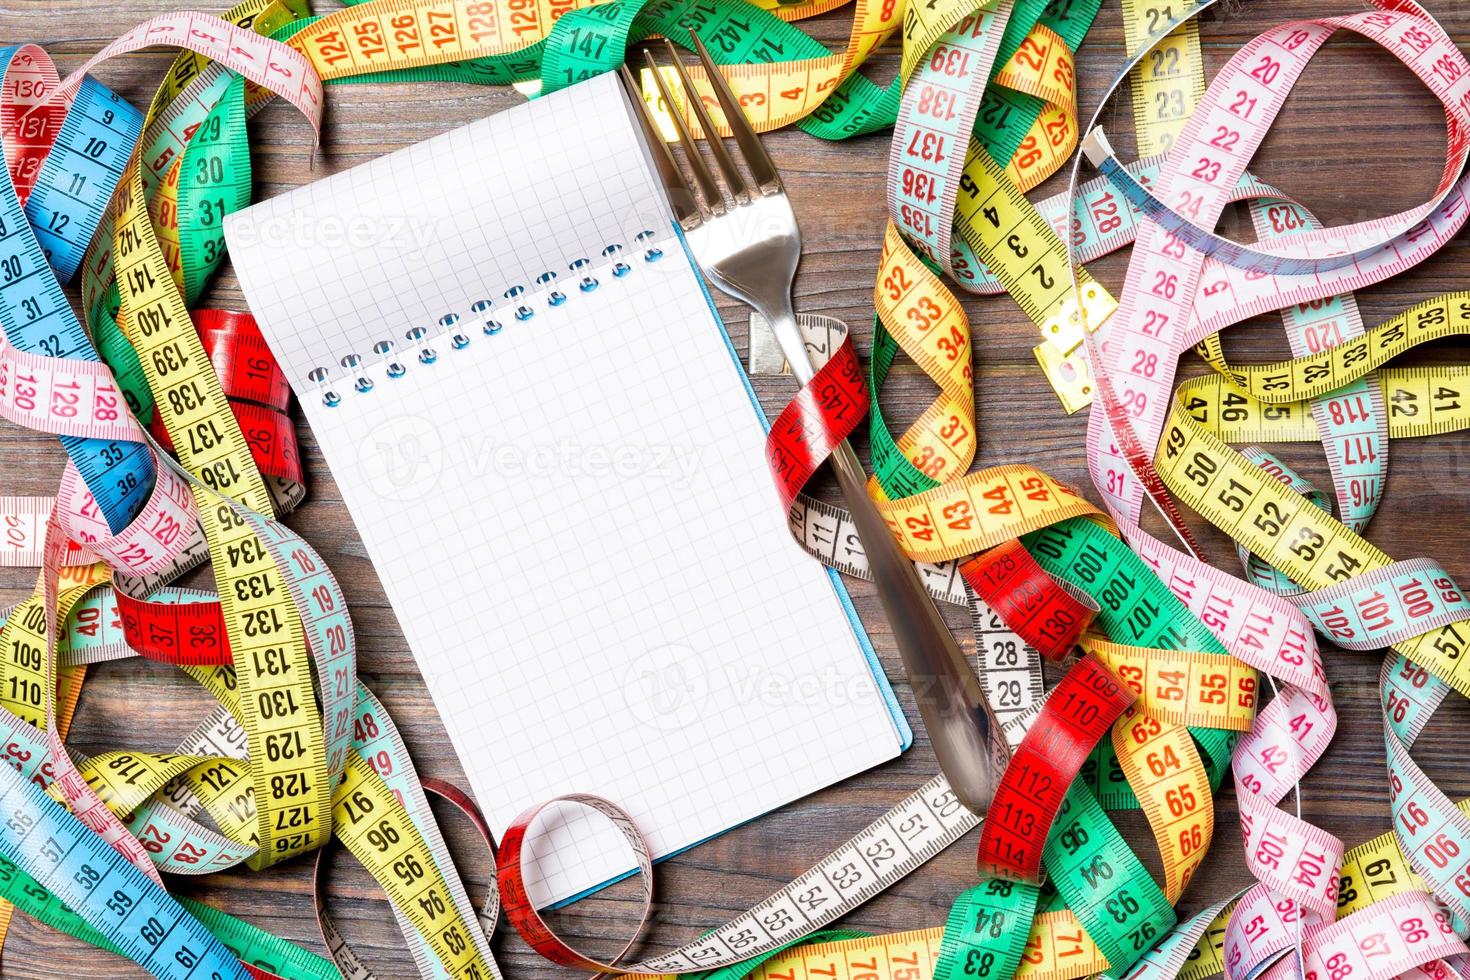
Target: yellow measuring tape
[(1023, 251), (278, 704), (1307, 377), (1422, 401), (1057, 948), (281, 802), (1183, 687), (1278, 524), (1169, 83)]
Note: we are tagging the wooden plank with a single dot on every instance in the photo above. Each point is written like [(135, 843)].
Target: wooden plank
[(1360, 137)]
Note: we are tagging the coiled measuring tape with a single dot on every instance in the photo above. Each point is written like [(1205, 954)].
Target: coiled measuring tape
[(1308, 734), (874, 858), (124, 780), (97, 143), (137, 303), (1008, 493), (1272, 917)]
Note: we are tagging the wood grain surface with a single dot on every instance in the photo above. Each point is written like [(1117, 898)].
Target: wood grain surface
[(1359, 137)]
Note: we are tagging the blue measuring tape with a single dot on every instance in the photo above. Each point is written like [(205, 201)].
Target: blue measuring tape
[(80, 173), (133, 914), (63, 212)]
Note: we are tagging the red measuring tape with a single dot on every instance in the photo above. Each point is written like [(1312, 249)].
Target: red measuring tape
[(1039, 609), (180, 633), (257, 391), (521, 911), (824, 412), (244, 363), (1077, 713)]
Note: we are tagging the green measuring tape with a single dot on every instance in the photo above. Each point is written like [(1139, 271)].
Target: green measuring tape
[(1095, 873)]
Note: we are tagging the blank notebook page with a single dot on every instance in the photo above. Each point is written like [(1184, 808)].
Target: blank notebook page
[(571, 513)]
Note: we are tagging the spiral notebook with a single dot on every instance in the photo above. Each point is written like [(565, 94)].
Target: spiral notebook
[(555, 461)]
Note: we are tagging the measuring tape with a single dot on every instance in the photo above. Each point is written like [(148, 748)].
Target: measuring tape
[(937, 316), (1026, 255), (1057, 941), (1169, 292), (1268, 68), (1170, 81), (1079, 711), (1353, 420), (769, 925), (139, 298), (1124, 598), (1371, 872), (68, 860), (1049, 615), (939, 522), (1101, 222), (1420, 402), (292, 797), (1002, 235), (860, 869), (126, 779), (167, 770)]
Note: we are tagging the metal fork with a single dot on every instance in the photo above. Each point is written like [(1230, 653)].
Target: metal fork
[(750, 249)]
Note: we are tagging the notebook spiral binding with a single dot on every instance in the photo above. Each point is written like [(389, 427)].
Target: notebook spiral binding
[(520, 306)]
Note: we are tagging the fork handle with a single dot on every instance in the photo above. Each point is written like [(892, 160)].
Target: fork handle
[(966, 737)]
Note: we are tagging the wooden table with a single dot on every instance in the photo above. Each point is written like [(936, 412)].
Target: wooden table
[(1360, 137)]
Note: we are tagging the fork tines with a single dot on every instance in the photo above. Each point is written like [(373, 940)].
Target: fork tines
[(692, 203)]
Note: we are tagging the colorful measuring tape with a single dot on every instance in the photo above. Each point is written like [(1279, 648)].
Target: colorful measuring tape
[(1353, 428), (1029, 485), (1274, 515), (282, 614), (938, 513), (147, 307)]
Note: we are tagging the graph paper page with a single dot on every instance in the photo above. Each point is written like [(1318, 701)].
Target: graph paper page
[(571, 515)]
